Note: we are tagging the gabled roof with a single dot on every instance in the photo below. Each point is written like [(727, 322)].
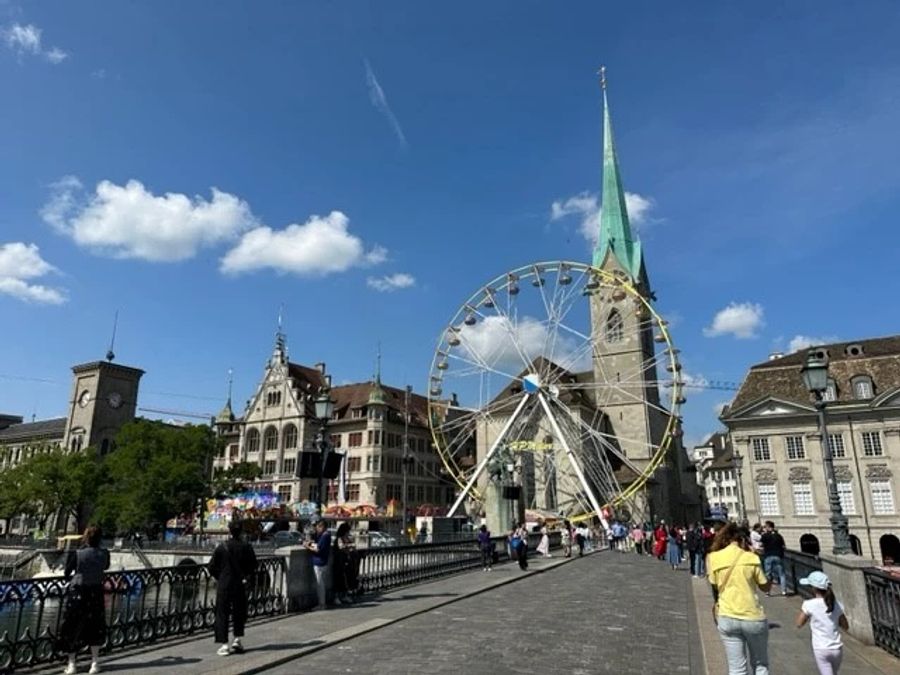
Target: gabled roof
[(350, 396), (780, 378), (42, 430)]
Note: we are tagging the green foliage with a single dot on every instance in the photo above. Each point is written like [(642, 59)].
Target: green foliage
[(156, 472), (52, 481), (231, 480)]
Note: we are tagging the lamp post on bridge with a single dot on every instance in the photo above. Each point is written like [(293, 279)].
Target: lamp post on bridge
[(815, 377), (324, 410), (737, 461)]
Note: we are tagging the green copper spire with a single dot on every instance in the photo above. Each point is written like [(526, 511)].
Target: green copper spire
[(376, 393), (615, 232)]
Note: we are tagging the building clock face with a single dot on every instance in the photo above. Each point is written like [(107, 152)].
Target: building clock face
[(114, 399), (85, 398)]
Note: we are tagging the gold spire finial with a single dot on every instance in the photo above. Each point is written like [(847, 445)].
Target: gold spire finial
[(602, 74)]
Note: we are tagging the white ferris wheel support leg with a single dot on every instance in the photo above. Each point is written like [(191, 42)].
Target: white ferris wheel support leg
[(490, 453), (575, 465)]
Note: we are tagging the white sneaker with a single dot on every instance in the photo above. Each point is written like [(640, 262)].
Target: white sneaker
[(70, 669), (224, 650), (95, 668)]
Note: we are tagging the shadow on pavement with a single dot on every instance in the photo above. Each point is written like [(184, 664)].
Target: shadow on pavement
[(167, 661), (285, 645)]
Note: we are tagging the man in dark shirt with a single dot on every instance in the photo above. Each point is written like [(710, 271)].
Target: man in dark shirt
[(321, 549), (773, 556), (231, 565)]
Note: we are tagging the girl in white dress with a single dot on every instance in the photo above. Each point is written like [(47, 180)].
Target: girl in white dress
[(825, 616)]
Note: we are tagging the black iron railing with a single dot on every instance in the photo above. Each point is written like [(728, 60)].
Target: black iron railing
[(142, 606), (883, 593), (797, 566), (384, 568)]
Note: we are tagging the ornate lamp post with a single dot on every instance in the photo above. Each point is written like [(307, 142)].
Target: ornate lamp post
[(737, 461), (815, 377), (324, 410)]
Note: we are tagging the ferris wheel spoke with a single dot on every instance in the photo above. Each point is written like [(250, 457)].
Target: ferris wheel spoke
[(484, 366)]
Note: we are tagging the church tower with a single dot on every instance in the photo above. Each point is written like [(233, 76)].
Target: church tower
[(623, 332)]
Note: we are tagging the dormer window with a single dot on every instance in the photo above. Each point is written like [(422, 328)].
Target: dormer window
[(862, 387), (853, 350), (831, 391)]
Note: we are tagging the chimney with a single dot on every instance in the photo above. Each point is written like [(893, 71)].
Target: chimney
[(775, 355), (320, 367)]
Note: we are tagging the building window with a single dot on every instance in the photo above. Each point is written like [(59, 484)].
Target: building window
[(253, 440), (332, 492), (830, 391), (273, 398), (290, 437), (614, 327), (768, 499), (353, 463), (269, 467), (803, 501), (862, 387), (420, 493), (289, 465), (845, 492), (836, 443), (353, 492), (270, 439), (871, 442), (284, 493), (312, 493), (882, 497), (760, 447), (369, 437), (354, 440), (794, 446), (378, 437), (335, 440)]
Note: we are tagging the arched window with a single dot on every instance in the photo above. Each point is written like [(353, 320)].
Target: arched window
[(862, 387), (270, 439), (890, 548), (614, 327), (252, 440), (290, 437), (855, 545)]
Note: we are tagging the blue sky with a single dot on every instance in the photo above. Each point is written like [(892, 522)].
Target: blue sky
[(196, 165)]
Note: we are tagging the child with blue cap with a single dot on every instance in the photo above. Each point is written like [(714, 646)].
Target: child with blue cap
[(825, 616)]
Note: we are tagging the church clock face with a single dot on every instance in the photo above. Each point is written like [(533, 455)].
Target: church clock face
[(114, 399), (85, 398)]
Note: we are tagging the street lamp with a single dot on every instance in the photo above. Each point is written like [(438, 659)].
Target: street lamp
[(737, 461), (815, 377), (324, 406)]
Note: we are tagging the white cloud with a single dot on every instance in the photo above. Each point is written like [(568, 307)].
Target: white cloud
[(799, 342), (742, 320), (693, 381), (26, 41), (322, 245), (379, 100), (391, 282), (586, 205), (497, 342), (19, 263), (128, 221)]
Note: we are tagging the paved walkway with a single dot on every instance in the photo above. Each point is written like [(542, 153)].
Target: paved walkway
[(790, 652)]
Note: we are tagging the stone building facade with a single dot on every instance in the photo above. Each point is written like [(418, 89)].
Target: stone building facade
[(718, 476), (368, 425), (772, 422)]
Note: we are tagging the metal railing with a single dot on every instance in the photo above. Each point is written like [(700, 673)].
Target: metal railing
[(380, 569), (883, 593), (142, 606), (797, 566)]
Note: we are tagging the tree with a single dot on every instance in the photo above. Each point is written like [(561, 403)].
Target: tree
[(156, 472), (65, 483), (231, 480), (14, 496)]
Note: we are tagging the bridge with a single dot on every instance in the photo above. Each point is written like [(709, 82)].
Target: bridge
[(606, 612)]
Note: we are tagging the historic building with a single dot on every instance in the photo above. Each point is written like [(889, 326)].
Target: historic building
[(103, 398), (718, 475), (772, 422), (369, 425), (625, 346)]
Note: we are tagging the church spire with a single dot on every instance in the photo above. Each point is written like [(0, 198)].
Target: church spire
[(615, 235), (376, 393)]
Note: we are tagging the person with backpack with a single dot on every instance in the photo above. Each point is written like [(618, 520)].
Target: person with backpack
[(825, 616), (231, 565), (773, 556)]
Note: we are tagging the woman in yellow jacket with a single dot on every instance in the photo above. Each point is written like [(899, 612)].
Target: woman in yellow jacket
[(736, 574)]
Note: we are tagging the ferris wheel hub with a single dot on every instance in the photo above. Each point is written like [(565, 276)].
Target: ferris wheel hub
[(531, 383)]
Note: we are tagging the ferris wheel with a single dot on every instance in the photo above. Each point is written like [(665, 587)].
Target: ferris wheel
[(529, 374)]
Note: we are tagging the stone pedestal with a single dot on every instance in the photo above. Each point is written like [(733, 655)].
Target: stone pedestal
[(846, 574), (300, 580), (499, 513)]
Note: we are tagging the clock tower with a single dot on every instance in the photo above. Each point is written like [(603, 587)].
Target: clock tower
[(104, 397)]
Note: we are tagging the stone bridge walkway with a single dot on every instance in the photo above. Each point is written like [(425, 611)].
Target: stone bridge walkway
[(605, 613)]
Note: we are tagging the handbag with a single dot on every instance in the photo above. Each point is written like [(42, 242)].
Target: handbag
[(720, 588)]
